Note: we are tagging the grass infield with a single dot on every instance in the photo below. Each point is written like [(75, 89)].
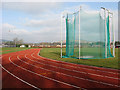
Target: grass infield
[(5, 50), (54, 53)]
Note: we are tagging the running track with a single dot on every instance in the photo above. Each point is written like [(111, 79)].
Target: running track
[(26, 69)]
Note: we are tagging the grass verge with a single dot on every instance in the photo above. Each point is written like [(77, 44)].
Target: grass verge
[(5, 50), (54, 53)]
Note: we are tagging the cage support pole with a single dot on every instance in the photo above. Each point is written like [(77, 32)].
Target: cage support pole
[(105, 31), (61, 34), (105, 35), (113, 37), (79, 31)]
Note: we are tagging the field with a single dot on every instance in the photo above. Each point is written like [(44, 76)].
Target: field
[(54, 53), (11, 49)]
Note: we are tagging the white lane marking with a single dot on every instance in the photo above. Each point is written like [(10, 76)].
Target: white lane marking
[(20, 78), (67, 74), (75, 66), (78, 67), (77, 71), (42, 75)]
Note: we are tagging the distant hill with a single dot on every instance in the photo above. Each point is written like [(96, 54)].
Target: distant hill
[(3, 41)]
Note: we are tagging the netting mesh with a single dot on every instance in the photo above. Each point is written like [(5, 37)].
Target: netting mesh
[(108, 40), (92, 35)]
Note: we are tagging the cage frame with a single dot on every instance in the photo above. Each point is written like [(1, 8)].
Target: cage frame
[(113, 34)]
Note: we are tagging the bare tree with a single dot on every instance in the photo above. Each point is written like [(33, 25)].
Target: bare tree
[(17, 41)]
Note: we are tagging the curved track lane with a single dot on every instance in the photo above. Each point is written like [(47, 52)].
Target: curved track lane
[(29, 70)]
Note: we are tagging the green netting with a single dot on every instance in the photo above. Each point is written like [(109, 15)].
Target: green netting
[(92, 35), (108, 39), (70, 35)]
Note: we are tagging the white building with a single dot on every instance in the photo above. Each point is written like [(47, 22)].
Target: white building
[(22, 46), (29, 46)]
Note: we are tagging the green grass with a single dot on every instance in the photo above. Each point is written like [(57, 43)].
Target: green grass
[(87, 52), (5, 50), (54, 53)]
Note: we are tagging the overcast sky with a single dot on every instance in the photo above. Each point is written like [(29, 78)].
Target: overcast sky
[(40, 21)]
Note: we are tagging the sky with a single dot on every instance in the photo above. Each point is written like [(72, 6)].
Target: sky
[(36, 22)]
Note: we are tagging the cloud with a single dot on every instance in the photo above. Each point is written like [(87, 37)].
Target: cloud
[(42, 35), (8, 26), (76, 8), (45, 28), (30, 7), (10, 31), (43, 23)]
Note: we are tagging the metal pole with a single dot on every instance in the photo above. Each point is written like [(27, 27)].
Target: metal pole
[(105, 34), (15, 43), (113, 34), (109, 29), (79, 31), (9, 41), (15, 40), (113, 38), (61, 35)]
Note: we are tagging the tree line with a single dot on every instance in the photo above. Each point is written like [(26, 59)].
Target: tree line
[(15, 41)]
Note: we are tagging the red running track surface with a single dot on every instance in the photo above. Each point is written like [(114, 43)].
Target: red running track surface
[(26, 69)]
